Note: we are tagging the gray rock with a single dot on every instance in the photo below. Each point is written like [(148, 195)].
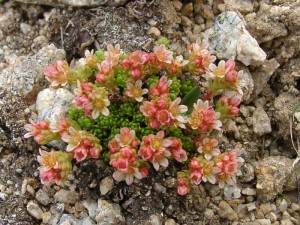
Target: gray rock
[(274, 176), (88, 221), (281, 205), (106, 185), (52, 103), (108, 213), (68, 197), (264, 221), (69, 219), (251, 206), (223, 41), (154, 220), (261, 122), (247, 171), (244, 6), (248, 191), (25, 28), (3, 196), (91, 206), (24, 76), (226, 211), (170, 222), (265, 208), (209, 214), (76, 2), (272, 216), (34, 210), (295, 207), (42, 197), (159, 188)]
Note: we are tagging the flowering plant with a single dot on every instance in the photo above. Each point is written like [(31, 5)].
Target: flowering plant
[(140, 109)]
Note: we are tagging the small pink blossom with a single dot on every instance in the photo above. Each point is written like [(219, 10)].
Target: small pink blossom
[(57, 73), (183, 183), (177, 152), (135, 91), (204, 117), (161, 89), (208, 146), (163, 54)]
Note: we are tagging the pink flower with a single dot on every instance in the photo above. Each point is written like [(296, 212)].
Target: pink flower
[(113, 53), (196, 177), (162, 54), (176, 112), (56, 165), (154, 149), (40, 131), (80, 153), (163, 117), (57, 73), (161, 89), (208, 147), (177, 152), (148, 109), (135, 92), (218, 71), (204, 118), (137, 59), (183, 183)]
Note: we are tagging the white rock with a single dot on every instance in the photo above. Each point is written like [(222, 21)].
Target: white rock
[(91, 206), (69, 219), (228, 39), (106, 185), (108, 213), (68, 197), (42, 197), (34, 210), (25, 28), (24, 75), (208, 213), (261, 122), (3, 196), (251, 206), (88, 221), (249, 191)]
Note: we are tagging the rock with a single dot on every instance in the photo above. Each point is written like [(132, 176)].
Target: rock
[(25, 28), (247, 173), (274, 176), (209, 214), (266, 24), (69, 219), (46, 217), (295, 207), (244, 6), (251, 206), (108, 213), (154, 31), (226, 211), (76, 2), (67, 197), (261, 77), (153, 220), (24, 76), (88, 221), (223, 42), (187, 10), (52, 103), (261, 122), (106, 185), (170, 222), (159, 188), (272, 216), (264, 221), (281, 205), (249, 191), (42, 197), (34, 210), (91, 206), (3, 196)]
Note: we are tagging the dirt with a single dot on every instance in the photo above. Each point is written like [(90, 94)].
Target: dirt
[(154, 198)]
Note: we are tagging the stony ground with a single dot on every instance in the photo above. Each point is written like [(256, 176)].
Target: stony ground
[(90, 196)]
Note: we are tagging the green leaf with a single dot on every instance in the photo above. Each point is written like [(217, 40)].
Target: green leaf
[(191, 97)]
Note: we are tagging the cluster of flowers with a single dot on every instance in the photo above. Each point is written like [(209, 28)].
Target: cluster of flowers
[(110, 78)]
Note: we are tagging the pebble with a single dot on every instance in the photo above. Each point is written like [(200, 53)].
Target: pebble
[(185, 21), (88, 221), (209, 214), (30, 190), (295, 207), (25, 28), (170, 222), (285, 215), (281, 205), (264, 221), (154, 31), (226, 211), (68, 197), (272, 216), (187, 10), (108, 213), (3, 196), (286, 222), (249, 191), (261, 122), (91, 206), (106, 185), (34, 210), (159, 188), (251, 206), (177, 5), (46, 217), (265, 208), (42, 197), (69, 219)]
